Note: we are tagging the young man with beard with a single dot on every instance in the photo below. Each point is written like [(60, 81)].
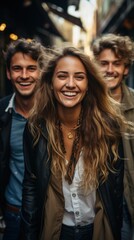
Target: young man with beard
[(23, 70), (115, 54)]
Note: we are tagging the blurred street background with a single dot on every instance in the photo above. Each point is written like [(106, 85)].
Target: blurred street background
[(53, 22)]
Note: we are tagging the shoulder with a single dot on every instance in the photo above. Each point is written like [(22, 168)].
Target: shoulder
[(29, 138), (131, 96), (129, 91), (5, 99), (34, 153), (4, 103), (128, 98)]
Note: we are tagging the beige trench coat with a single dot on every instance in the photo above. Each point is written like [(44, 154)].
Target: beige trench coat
[(54, 210)]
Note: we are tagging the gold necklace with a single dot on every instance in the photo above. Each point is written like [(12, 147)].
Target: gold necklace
[(70, 135), (75, 148)]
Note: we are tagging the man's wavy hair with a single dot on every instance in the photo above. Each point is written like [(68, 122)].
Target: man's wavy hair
[(122, 46), (30, 47)]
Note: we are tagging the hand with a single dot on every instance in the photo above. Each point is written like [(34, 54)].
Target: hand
[(2, 224)]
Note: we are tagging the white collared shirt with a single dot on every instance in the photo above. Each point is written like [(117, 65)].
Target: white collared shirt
[(11, 103), (79, 206)]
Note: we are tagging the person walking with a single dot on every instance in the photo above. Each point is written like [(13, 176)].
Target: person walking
[(115, 54), (73, 152), (23, 70)]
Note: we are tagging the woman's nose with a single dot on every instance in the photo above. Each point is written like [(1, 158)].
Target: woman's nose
[(71, 82)]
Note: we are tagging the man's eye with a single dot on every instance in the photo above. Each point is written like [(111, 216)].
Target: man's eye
[(32, 69), (103, 63), (16, 69), (117, 63)]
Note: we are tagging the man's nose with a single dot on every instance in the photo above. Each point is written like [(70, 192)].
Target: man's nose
[(24, 73), (110, 68)]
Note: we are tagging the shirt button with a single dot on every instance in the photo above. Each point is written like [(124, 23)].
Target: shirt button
[(74, 195), (77, 213)]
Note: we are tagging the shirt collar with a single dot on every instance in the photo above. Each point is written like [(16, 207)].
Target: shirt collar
[(11, 103)]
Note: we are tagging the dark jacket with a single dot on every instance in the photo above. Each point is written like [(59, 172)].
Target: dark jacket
[(36, 180), (5, 129)]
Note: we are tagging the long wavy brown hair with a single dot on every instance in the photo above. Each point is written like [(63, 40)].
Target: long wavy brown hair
[(101, 122)]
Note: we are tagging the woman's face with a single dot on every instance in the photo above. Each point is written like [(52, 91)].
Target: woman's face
[(69, 82)]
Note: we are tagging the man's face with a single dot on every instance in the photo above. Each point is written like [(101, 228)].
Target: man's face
[(113, 68), (24, 74)]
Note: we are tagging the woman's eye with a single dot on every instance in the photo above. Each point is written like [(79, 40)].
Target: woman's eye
[(81, 77), (62, 76)]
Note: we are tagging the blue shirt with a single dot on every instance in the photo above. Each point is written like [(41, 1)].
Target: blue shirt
[(13, 193)]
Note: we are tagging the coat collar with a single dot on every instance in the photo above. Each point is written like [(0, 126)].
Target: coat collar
[(128, 98), (11, 103)]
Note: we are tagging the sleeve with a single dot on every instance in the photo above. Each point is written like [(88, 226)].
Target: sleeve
[(111, 192), (29, 211)]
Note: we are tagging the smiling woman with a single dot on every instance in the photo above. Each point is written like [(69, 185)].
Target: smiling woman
[(73, 151), (70, 84)]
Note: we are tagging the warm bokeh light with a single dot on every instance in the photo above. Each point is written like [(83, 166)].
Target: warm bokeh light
[(13, 36), (29, 39), (2, 26)]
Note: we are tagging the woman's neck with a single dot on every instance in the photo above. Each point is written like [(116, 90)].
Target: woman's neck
[(69, 118), (70, 139)]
